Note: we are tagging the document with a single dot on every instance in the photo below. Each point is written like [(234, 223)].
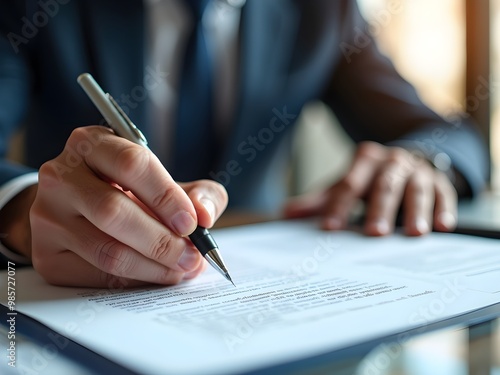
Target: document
[(299, 292)]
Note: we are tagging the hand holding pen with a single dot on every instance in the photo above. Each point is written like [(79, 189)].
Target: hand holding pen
[(122, 126), (108, 214)]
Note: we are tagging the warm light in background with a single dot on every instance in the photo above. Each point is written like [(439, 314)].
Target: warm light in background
[(426, 41)]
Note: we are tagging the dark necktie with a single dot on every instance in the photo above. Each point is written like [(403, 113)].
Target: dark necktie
[(194, 135)]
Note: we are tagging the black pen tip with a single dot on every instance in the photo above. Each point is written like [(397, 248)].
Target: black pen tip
[(229, 278)]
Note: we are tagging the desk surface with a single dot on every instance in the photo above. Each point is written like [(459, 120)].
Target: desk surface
[(457, 350), (453, 351), (482, 215)]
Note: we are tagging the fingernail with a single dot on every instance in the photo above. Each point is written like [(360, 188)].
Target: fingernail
[(332, 223), (209, 207), (382, 226), (189, 259), (447, 219), (183, 223), (422, 225)]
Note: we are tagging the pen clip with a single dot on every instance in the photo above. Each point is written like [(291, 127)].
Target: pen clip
[(127, 120)]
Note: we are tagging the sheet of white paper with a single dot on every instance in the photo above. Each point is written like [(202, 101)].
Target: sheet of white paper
[(300, 292)]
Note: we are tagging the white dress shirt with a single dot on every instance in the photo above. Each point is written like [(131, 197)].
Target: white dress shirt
[(169, 27)]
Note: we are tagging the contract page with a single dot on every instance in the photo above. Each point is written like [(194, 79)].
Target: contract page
[(299, 292)]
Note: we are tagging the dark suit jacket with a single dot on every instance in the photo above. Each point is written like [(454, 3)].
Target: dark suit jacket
[(291, 52)]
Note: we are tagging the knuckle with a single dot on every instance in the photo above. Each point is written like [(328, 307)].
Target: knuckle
[(162, 247), (112, 258), (132, 162), (48, 177), (107, 211), (386, 183), (82, 138), (418, 159), (347, 184), (77, 135), (164, 198), (369, 149), (397, 155)]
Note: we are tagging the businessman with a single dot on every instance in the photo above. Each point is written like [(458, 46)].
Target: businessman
[(217, 87)]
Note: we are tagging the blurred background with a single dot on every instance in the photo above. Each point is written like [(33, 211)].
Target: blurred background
[(450, 51)]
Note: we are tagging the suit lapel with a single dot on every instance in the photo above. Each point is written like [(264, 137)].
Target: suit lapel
[(267, 35), (268, 31)]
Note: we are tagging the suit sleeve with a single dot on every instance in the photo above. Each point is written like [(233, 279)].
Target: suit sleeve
[(15, 83), (14, 96), (373, 102)]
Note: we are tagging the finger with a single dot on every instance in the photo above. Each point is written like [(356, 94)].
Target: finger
[(353, 186), (419, 202), (138, 170), (116, 258), (209, 199), (115, 214), (105, 253), (385, 198), (305, 205), (340, 204), (445, 208), (68, 269), (96, 258)]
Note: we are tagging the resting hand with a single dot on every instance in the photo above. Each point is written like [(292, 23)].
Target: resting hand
[(107, 213), (387, 178)]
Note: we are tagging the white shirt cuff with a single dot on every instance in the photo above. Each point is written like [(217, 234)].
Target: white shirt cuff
[(8, 191)]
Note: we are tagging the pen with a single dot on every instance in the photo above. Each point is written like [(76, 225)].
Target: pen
[(122, 126)]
